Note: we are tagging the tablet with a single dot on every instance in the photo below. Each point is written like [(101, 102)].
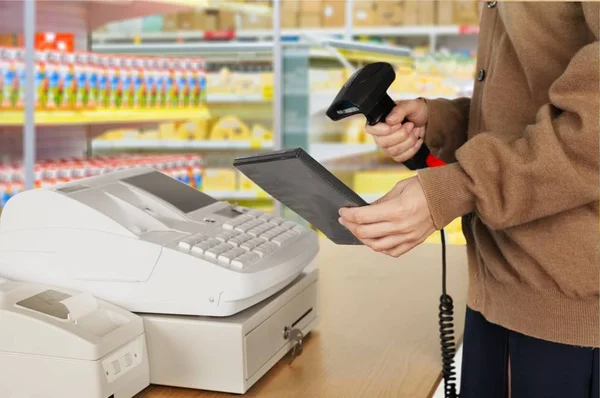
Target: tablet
[(301, 183)]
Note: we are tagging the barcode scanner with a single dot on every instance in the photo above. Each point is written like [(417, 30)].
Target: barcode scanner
[(366, 93)]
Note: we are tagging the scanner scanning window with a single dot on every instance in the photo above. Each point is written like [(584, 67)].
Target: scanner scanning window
[(176, 193)]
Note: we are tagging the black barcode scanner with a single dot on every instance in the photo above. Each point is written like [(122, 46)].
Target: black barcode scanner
[(366, 93)]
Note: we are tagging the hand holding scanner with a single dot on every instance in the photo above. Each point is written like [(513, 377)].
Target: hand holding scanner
[(366, 92)]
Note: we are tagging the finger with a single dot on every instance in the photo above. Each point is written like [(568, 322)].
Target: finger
[(382, 211), (403, 109), (395, 137), (403, 248), (399, 113), (372, 231), (409, 153), (401, 147), (388, 243), (396, 191), (382, 129)]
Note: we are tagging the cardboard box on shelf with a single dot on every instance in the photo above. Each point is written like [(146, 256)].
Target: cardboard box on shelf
[(211, 20), (390, 13), (310, 6), (445, 12), (226, 20), (170, 23), (466, 12), (410, 15), (426, 12), (185, 20), (334, 14), (254, 22), (291, 5), (364, 13), (310, 20), (289, 19)]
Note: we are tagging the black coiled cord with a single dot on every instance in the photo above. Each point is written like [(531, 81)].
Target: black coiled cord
[(447, 332)]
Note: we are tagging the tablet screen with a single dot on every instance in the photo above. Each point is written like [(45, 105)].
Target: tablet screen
[(306, 187)]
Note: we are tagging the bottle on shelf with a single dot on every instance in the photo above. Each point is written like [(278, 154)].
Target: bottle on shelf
[(82, 80), (54, 80), (68, 83)]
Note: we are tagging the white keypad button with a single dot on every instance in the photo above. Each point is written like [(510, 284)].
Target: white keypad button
[(288, 225), (284, 239), (278, 230), (186, 244), (232, 224), (200, 248), (265, 249), (299, 230), (277, 220), (215, 251), (255, 213), (245, 227), (227, 235), (244, 260), (229, 255), (268, 235), (252, 243), (257, 231), (266, 217)]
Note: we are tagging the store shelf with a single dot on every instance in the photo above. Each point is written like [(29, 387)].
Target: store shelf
[(265, 34), (236, 99), (179, 145), (61, 118), (324, 152)]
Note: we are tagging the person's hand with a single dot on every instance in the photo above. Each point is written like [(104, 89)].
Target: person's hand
[(394, 224), (401, 140)]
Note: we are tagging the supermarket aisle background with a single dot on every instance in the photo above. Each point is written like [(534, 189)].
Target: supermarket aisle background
[(188, 89)]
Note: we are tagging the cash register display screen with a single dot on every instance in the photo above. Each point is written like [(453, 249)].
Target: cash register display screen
[(178, 194)]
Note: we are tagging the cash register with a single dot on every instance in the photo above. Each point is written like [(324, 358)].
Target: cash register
[(219, 286)]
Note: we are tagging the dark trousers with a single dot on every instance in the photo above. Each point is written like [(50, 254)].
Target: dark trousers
[(539, 369)]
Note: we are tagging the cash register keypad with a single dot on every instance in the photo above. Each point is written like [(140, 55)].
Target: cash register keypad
[(244, 240)]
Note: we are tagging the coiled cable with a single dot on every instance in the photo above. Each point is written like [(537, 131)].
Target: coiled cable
[(446, 317)]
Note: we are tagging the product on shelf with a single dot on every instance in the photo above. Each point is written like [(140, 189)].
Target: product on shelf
[(185, 168), (220, 179), (82, 80), (230, 128)]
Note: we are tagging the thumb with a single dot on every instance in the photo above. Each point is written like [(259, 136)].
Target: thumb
[(394, 193)]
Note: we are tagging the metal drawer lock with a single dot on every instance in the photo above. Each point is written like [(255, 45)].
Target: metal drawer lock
[(296, 337)]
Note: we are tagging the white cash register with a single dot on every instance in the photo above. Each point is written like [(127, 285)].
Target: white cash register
[(57, 343), (193, 267)]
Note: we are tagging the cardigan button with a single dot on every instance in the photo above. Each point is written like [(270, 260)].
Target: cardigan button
[(481, 75), (491, 4)]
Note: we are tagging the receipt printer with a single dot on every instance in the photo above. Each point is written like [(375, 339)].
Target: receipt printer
[(57, 343)]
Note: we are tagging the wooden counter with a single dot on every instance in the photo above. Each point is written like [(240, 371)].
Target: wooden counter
[(378, 334)]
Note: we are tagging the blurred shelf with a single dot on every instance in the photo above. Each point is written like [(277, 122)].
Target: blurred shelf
[(324, 152), (237, 99), (101, 117), (265, 34), (181, 145)]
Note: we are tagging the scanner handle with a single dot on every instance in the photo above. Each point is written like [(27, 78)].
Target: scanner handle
[(423, 158)]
